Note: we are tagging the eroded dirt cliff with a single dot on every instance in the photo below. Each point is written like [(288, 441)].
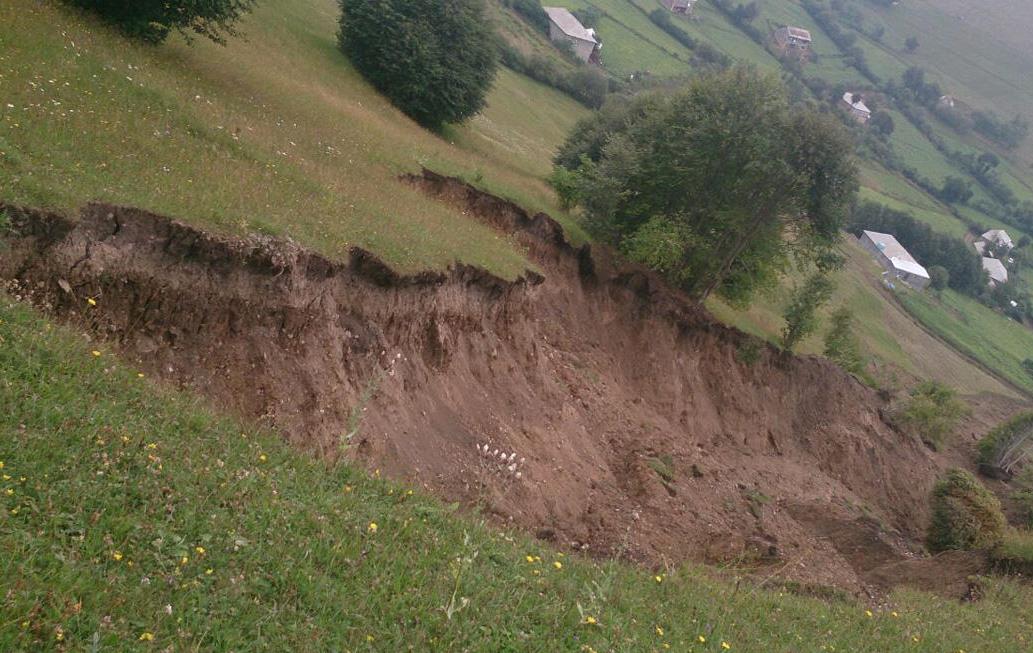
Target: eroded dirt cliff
[(643, 428)]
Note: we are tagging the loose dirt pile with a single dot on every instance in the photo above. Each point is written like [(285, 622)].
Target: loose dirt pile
[(641, 427)]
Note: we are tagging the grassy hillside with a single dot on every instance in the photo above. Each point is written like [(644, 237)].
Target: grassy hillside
[(994, 340), (275, 132), (901, 348), (133, 519)]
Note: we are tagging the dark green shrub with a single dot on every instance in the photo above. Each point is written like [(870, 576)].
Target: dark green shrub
[(154, 20), (532, 12), (965, 514), (434, 59)]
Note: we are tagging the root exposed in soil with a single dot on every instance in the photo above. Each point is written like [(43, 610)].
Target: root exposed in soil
[(642, 431)]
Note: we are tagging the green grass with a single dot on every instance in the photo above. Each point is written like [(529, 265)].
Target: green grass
[(887, 333), (995, 341), (132, 518), (1015, 551), (274, 132)]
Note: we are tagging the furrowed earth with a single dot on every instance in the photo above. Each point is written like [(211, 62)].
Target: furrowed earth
[(632, 423)]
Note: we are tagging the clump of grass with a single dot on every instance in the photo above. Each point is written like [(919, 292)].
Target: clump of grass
[(965, 514), (131, 517), (931, 412)]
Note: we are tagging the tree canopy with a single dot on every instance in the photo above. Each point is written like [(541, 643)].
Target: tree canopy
[(154, 20), (434, 59), (718, 185)]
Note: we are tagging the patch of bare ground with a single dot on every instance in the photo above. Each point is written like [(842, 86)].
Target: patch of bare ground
[(642, 431)]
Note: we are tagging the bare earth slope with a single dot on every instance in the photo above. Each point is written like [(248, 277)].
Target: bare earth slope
[(644, 433)]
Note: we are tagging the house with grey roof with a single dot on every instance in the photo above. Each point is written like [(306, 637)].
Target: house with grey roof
[(894, 258), (564, 27), (996, 271), (793, 41)]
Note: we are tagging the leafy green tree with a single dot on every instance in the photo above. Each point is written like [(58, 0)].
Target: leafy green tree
[(719, 184), (965, 514), (153, 20), (939, 277), (434, 59), (911, 43), (801, 315), (882, 123), (841, 343), (956, 191)]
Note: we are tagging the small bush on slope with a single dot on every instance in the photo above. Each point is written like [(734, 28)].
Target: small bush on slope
[(965, 514), (154, 20), (434, 59), (129, 502), (931, 412)]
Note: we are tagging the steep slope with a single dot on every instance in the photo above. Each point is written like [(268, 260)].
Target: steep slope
[(644, 431)]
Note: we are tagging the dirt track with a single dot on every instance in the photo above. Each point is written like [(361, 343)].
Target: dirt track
[(643, 432)]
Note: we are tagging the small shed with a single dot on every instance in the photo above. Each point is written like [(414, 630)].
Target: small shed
[(679, 6), (565, 27), (793, 41), (891, 255), (855, 106)]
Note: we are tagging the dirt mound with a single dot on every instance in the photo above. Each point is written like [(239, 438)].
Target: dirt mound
[(637, 425)]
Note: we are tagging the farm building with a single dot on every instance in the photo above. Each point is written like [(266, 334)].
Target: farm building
[(892, 256), (793, 41), (995, 270), (679, 6), (854, 104), (998, 238), (565, 27)]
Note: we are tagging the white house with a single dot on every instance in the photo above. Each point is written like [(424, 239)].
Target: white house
[(995, 269), (892, 256), (565, 27), (854, 104)]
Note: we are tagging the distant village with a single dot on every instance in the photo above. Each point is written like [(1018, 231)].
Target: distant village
[(992, 246)]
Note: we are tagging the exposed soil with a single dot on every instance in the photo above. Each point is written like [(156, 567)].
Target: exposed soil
[(644, 432)]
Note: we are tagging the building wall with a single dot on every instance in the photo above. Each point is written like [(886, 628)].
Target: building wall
[(582, 49)]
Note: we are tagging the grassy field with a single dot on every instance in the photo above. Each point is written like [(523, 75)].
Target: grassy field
[(888, 334), (275, 132), (133, 519), (992, 339)]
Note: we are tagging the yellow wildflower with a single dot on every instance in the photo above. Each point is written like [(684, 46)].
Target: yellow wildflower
[(347, 488), (557, 564), (369, 638), (184, 560), (139, 375), (658, 578), (263, 458), (529, 558), (894, 614), (59, 635), (659, 631), (117, 555), (7, 477), (372, 528), (1, 464), (9, 491), (200, 550), (146, 637), (91, 301), (702, 639), (590, 620), (868, 613), (95, 352), (209, 572), (726, 645)]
